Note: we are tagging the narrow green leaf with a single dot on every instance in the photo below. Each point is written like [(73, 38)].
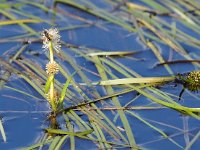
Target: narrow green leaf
[(61, 142), (18, 21), (36, 4), (64, 90), (38, 144), (2, 131), (54, 142), (137, 80), (70, 128), (120, 53), (56, 131), (9, 5), (48, 83)]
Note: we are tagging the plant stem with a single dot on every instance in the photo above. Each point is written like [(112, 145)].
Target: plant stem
[(51, 52), (51, 90)]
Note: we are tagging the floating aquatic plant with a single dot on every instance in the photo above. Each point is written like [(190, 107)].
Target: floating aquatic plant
[(162, 31), (51, 42)]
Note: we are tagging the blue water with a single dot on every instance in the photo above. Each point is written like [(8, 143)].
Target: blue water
[(24, 117)]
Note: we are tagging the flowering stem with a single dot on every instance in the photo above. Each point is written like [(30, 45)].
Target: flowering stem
[(51, 42), (51, 90), (51, 51)]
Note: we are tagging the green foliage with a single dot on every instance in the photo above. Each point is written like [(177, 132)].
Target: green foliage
[(48, 83), (64, 90), (2, 131), (144, 20)]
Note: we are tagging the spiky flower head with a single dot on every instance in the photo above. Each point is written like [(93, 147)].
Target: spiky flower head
[(193, 81), (51, 35), (52, 68)]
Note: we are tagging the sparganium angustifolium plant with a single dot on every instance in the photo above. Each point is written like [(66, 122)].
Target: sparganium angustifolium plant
[(51, 42)]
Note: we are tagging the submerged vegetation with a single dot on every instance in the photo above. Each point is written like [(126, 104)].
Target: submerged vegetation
[(98, 94)]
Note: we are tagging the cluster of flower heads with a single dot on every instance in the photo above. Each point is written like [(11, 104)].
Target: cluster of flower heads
[(51, 35), (193, 81), (55, 96)]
